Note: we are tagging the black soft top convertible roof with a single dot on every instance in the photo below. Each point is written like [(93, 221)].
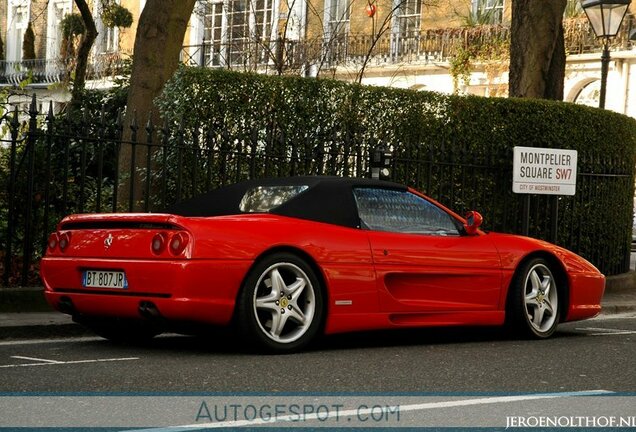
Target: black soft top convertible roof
[(327, 199)]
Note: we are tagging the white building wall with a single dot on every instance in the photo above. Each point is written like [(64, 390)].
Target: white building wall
[(630, 90), (430, 80), (582, 80)]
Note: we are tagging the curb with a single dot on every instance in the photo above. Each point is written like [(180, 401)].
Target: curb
[(624, 283), (617, 309), (23, 299)]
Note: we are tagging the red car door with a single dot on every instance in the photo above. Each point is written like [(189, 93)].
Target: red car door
[(422, 261), (417, 272)]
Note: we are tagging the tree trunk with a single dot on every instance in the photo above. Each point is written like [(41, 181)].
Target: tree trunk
[(84, 50), (158, 43), (537, 49)]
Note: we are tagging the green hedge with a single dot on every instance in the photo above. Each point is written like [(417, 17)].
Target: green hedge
[(312, 108), (223, 127), (457, 149)]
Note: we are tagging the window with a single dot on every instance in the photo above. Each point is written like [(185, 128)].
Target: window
[(18, 20), (235, 30), (265, 198), (403, 212), (107, 37), (337, 15), (407, 17), (56, 12), (488, 11), (406, 27), (212, 31)]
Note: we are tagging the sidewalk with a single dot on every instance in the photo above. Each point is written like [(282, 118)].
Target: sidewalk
[(25, 315)]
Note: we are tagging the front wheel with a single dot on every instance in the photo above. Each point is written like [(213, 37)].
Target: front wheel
[(280, 306), (533, 306)]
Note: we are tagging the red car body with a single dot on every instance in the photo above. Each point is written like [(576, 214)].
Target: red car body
[(371, 279)]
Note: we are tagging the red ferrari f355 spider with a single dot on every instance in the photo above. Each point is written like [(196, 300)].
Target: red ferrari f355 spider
[(287, 259)]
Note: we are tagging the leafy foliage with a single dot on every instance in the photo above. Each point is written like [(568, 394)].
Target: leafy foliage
[(486, 46), (1, 47), (72, 25), (479, 16), (115, 15), (222, 127), (457, 149), (573, 9), (74, 164), (28, 44)]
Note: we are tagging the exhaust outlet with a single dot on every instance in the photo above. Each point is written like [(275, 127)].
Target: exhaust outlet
[(148, 310), (65, 305)]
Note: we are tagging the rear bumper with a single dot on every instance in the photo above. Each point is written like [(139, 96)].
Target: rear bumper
[(182, 290)]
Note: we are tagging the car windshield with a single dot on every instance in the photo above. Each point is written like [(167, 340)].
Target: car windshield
[(262, 199)]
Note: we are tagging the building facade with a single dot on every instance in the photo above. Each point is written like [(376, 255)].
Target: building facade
[(439, 45), (50, 73)]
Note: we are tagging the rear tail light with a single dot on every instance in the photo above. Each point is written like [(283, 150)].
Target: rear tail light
[(65, 241), (158, 243), (53, 241), (178, 243)]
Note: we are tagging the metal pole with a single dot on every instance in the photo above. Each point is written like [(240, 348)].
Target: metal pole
[(14, 126), (605, 59), (525, 221), (28, 223), (554, 219)]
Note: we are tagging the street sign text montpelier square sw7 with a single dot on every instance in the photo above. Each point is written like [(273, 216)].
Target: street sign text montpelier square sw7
[(544, 171)]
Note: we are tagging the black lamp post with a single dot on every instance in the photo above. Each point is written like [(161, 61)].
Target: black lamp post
[(606, 17)]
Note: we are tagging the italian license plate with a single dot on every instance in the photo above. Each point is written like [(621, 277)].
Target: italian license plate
[(104, 279)]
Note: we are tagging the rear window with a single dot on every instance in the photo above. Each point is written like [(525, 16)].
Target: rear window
[(262, 199)]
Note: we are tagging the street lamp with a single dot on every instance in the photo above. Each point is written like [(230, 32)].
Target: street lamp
[(605, 17)]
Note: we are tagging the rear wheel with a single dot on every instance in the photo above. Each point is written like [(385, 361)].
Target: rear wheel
[(533, 306), (280, 307)]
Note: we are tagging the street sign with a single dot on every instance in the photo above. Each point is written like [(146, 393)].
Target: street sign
[(544, 171)]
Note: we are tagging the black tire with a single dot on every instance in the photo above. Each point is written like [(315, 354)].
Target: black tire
[(534, 307), (122, 331), (280, 307)]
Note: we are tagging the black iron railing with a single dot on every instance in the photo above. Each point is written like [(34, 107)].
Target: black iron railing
[(416, 47), (50, 168), (47, 71)]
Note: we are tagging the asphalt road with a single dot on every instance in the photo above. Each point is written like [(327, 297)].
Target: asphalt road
[(593, 354)]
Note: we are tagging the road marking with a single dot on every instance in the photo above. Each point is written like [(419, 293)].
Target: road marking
[(49, 341), (75, 339), (622, 315), (357, 412), (35, 359), (68, 362), (599, 331)]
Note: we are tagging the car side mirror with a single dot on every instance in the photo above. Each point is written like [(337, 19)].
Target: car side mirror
[(473, 222)]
